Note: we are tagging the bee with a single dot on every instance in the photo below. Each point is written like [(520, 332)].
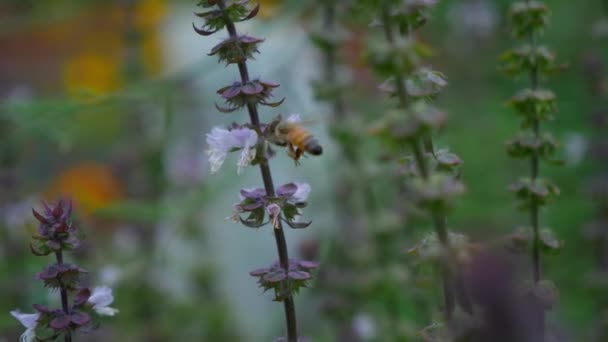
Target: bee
[(292, 134)]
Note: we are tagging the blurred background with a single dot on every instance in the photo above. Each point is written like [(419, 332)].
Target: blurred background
[(108, 102)]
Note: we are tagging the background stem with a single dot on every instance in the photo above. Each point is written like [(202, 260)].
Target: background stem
[(438, 218)]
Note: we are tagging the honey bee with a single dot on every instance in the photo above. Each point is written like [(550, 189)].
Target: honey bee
[(290, 133)]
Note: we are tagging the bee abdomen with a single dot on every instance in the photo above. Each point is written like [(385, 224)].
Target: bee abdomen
[(312, 146)]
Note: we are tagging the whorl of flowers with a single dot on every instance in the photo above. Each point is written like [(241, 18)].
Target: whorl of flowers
[(56, 234)]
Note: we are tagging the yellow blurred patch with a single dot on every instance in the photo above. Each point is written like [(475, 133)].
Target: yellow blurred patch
[(269, 8), (91, 72), (90, 185)]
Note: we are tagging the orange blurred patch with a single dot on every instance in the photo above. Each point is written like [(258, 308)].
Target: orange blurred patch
[(90, 185)]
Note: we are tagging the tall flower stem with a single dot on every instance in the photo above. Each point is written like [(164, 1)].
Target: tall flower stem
[(64, 297), (288, 302), (534, 163), (439, 221)]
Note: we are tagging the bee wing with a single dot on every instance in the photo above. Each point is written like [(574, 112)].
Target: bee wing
[(297, 119)]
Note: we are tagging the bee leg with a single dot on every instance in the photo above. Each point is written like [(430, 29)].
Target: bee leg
[(299, 154), (291, 151)]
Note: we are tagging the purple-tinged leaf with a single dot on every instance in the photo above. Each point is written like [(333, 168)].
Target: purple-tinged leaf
[(82, 297), (259, 272), (231, 92), (273, 104), (202, 32), (255, 193), (39, 217), (251, 206), (252, 88), (299, 275), (298, 225), (307, 264), (253, 223), (287, 190), (269, 84), (249, 39), (253, 13), (80, 318), (42, 309), (60, 322), (225, 110), (48, 272), (274, 277)]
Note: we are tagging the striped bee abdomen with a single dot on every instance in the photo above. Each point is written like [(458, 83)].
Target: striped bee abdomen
[(305, 141)]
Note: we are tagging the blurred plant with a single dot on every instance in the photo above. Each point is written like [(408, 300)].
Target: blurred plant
[(286, 276), (597, 230), (56, 234), (535, 105), (431, 174)]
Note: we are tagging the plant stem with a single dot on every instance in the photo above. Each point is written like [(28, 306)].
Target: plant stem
[(539, 313), (534, 175), (438, 218), (288, 303), (64, 297)]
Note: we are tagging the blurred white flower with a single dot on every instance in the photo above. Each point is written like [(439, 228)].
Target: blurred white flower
[(29, 321), (473, 18), (101, 298), (221, 141), (295, 117), (110, 274), (302, 193), (575, 146), (364, 327)]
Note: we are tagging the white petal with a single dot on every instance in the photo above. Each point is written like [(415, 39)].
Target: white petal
[(302, 193), (101, 297), (28, 320), (106, 311), (28, 336), (247, 156), (221, 141)]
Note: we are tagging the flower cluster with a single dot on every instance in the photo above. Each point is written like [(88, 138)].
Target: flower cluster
[(285, 282), (241, 94), (284, 206), (57, 233)]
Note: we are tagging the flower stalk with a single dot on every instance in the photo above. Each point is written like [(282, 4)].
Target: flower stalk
[(411, 84), (280, 205), (57, 234), (535, 105)]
